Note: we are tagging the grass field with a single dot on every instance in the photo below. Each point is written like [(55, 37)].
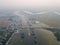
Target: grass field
[(16, 40)]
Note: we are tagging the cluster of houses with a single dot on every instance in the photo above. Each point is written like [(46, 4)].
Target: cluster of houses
[(6, 28), (3, 35)]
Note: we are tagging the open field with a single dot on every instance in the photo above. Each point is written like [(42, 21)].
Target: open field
[(16, 40), (50, 19)]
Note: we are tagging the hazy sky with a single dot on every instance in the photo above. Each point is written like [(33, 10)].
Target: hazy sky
[(29, 3)]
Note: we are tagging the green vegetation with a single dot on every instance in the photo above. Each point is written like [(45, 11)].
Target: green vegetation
[(1, 33), (55, 31), (57, 34), (7, 28), (5, 34)]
